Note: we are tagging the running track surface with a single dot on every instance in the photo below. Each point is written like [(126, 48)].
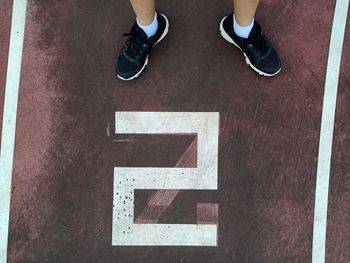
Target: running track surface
[(66, 149)]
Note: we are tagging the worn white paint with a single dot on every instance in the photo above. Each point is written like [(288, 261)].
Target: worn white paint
[(326, 135), (9, 119), (204, 177)]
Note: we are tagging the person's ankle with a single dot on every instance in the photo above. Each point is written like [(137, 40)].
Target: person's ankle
[(242, 31), (150, 29)]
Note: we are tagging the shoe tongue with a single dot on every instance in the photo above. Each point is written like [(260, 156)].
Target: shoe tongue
[(255, 30), (256, 37), (140, 31)]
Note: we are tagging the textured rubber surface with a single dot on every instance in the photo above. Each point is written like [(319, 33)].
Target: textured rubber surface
[(61, 203)]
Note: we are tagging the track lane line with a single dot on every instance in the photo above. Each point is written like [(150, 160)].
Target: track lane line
[(9, 119), (327, 128)]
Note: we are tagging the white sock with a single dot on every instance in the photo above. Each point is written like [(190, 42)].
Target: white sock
[(150, 29), (242, 31)]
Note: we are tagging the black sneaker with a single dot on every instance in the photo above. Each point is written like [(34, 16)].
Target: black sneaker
[(257, 50), (133, 57)]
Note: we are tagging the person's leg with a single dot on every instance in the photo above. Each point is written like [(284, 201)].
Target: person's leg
[(144, 10), (146, 16), (244, 11), (243, 20)]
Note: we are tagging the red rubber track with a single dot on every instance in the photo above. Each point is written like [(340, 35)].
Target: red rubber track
[(61, 203)]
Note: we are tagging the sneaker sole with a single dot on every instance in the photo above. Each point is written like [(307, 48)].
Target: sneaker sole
[(166, 30), (230, 40)]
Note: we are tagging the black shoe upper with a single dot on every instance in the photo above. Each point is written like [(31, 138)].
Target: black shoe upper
[(257, 47), (136, 48)]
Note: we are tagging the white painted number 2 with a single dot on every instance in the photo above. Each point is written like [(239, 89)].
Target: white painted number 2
[(204, 177)]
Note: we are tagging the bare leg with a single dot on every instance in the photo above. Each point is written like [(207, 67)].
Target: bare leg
[(244, 11), (145, 10)]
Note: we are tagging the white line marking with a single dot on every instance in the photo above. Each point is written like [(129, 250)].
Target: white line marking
[(326, 135), (9, 120), (162, 199), (203, 177)]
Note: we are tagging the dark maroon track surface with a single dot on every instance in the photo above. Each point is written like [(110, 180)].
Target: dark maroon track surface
[(61, 206)]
